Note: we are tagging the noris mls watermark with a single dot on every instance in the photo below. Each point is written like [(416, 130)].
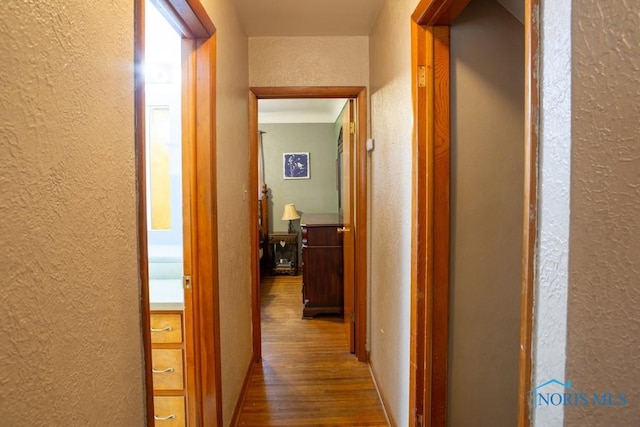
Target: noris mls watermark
[(555, 393)]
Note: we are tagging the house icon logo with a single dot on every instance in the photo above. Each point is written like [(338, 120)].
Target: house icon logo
[(554, 393)]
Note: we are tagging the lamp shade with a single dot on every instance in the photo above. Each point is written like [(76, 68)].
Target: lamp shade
[(290, 212)]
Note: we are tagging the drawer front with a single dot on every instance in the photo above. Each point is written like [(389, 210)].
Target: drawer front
[(167, 369), (166, 328), (169, 411), (321, 236)]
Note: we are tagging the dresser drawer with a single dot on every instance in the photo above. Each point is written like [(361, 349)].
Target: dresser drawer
[(166, 328), (169, 411), (167, 369), (321, 236)]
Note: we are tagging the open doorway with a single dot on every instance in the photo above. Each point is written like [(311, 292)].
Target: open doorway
[(354, 283), (177, 236), (475, 107), (302, 170)]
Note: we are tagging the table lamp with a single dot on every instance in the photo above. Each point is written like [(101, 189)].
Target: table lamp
[(290, 213)]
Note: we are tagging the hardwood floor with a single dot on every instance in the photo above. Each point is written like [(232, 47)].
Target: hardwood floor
[(307, 376)]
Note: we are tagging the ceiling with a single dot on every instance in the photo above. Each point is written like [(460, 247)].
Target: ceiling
[(299, 110), (277, 18)]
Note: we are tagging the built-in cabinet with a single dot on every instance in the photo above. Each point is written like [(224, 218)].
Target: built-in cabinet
[(322, 258), (168, 365)]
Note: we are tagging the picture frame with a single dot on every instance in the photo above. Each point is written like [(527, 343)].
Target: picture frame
[(295, 166)]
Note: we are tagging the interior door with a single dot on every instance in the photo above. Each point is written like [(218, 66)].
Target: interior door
[(347, 210)]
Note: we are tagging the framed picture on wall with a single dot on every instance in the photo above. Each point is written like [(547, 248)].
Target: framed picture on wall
[(295, 165)]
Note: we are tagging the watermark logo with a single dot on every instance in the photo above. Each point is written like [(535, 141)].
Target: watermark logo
[(555, 393)]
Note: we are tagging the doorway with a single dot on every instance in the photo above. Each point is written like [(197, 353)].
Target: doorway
[(182, 277), (360, 238), (436, 291)]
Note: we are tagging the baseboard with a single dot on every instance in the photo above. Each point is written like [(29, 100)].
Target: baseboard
[(243, 394), (381, 395)]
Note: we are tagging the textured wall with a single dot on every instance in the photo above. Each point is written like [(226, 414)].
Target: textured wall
[(390, 186), (233, 201), (487, 169), (604, 266), (71, 346), (308, 61), (315, 195), (550, 318)]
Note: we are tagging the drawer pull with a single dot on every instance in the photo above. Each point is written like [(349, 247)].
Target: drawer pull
[(168, 417), (165, 329), (163, 371)]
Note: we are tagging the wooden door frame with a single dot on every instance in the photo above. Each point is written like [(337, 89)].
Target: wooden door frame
[(189, 19), (360, 94), (431, 21)]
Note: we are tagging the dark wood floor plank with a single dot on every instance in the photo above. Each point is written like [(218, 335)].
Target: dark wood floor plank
[(307, 377)]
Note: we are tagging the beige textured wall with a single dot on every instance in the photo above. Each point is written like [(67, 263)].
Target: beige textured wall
[(71, 341), (308, 61), (233, 201), (487, 142), (604, 267), (390, 187)]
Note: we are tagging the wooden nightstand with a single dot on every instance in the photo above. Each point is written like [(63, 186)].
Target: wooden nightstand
[(283, 249)]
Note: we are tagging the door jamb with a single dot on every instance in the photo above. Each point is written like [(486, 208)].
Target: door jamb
[(361, 174), (428, 373), (190, 19)]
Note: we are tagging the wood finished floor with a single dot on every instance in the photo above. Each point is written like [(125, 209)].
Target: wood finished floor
[(307, 376)]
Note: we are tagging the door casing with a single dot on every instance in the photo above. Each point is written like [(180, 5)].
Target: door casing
[(359, 94), (189, 18), (430, 209)]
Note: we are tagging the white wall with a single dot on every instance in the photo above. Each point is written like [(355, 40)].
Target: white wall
[(71, 351), (390, 186), (550, 311)]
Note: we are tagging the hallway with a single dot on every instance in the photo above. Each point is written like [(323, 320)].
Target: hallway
[(307, 377)]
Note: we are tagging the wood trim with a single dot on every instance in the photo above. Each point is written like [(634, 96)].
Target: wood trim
[(243, 395), (187, 17), (438, 12), (207, 302), (422, 223), (253, 215), (141, 169), (307, 92), (530, 208), (441, 222), (189, 220), (358, 92), (361, 174), (430, 219)]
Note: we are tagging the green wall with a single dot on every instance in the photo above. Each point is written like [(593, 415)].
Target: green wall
[(318, 194)]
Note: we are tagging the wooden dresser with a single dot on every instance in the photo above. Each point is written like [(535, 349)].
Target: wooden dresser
[(168, 362), (322, 287)]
